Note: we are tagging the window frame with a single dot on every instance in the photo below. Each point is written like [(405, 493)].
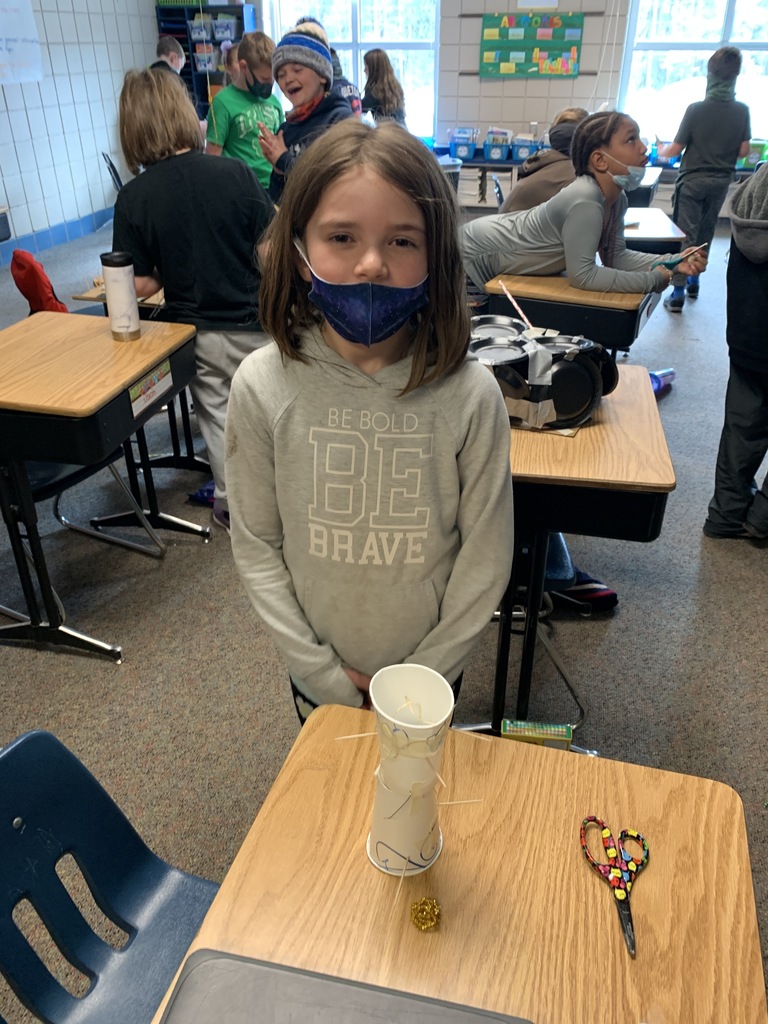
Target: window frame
[(632, 46), (351, 51)]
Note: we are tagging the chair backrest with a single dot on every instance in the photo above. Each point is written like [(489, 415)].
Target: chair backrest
[(34, 284), (51, 806), (498, 190), (114, 174)]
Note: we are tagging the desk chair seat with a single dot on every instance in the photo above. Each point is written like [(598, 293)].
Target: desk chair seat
[(498, 191), (52, 479), (51, 806), (114, 174)]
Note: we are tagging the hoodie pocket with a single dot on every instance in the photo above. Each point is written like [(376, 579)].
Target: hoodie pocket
[(371, 626)]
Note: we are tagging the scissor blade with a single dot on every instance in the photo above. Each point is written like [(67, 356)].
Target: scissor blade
[(625, 916)]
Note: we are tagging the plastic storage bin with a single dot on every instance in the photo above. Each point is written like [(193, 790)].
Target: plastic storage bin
[(522, 150), (462, 150), (495, 151), (207, 59), (758, 150), (224, 28), (200, 29)]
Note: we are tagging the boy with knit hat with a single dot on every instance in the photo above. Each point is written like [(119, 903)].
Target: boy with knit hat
[(302, 68), (713, 134)]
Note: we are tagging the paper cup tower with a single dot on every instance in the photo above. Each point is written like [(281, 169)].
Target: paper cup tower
[(413, 706)]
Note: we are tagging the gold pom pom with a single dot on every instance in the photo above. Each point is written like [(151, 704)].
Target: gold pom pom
[(425, 913)]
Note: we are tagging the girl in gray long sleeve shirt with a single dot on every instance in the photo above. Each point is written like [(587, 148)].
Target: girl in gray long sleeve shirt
[(584, 219)]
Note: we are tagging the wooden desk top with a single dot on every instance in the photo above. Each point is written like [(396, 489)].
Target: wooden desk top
[(557, 289), (69, 365), (527, 927), (647, 223), (97, 294), (623, 447)]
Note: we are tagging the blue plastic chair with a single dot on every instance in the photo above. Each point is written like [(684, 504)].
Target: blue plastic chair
[(50, 806)]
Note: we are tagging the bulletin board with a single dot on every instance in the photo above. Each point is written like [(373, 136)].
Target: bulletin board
[(532, 45)]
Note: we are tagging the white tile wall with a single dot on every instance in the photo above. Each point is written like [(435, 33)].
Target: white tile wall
[(466, 99), (52, 132)]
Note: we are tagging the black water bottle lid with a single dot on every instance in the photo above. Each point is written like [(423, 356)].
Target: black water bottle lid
[(116, 259)]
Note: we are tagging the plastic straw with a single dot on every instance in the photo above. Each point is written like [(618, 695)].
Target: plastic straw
[(522, 315)]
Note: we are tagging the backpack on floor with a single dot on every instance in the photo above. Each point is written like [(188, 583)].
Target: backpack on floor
[(34, 284)]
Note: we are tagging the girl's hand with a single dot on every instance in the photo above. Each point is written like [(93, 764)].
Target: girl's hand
[(362, 682), (694, 266), (272, 146)]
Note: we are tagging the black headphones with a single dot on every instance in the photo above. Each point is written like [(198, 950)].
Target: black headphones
[(547, 379)]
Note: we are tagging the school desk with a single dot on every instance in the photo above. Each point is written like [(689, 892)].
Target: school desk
[(614, 319), (651, 230), (69, 393), (611, 479), (527, 928), (147, 305), (645, 193), (177, 459)]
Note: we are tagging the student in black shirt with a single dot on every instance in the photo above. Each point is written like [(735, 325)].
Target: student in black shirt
[(191, 225)]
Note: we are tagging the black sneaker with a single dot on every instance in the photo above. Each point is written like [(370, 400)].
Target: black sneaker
[(674, 303)]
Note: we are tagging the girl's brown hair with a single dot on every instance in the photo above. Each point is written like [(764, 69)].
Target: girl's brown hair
[(382, 82), (441, 335), (157, 118)]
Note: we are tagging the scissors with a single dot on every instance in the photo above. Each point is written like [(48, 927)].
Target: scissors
[(671, 264), (621, 870)]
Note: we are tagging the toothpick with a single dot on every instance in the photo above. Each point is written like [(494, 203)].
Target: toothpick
[(355, 735), (447, 803), (399, 887), (522, 315)]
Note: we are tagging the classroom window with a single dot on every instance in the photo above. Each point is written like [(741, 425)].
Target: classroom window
[(408, 33), (665, 62)]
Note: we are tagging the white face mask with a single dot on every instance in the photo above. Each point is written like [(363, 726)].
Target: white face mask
[(629, 181)]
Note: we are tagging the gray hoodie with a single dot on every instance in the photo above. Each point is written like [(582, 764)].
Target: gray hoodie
[(368, 528), (749, 217)]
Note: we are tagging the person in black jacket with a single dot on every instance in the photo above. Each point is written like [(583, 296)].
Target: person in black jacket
[(738, 508), (303, 69)]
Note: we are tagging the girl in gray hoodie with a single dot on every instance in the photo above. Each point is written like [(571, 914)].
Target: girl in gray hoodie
[(368, 459)]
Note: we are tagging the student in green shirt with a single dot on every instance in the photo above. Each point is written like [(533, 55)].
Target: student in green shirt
[(235, 113)]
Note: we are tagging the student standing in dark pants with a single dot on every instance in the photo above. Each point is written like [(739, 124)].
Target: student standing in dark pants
[(738, 508), (713, 134)]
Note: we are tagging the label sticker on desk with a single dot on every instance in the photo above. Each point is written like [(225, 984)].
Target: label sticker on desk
[(147, 390)]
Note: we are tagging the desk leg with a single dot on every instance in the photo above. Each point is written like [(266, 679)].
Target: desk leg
[(18, 507), (156, 518), (177, 459), (536, 576)]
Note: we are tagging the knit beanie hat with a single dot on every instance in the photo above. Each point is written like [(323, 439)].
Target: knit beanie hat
[(305, 44)]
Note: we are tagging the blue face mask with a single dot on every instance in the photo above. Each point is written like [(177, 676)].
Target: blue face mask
[(364, 313), (629, 181)]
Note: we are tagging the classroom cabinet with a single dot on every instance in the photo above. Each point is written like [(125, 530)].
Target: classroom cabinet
[(201, 39)]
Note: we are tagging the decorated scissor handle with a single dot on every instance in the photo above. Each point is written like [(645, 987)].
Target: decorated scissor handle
[(622, 868)]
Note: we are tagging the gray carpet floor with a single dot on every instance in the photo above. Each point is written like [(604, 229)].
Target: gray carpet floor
[(189, 732)]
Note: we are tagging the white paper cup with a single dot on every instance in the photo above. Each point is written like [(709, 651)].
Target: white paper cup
[(413, 706), (405, 836)]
